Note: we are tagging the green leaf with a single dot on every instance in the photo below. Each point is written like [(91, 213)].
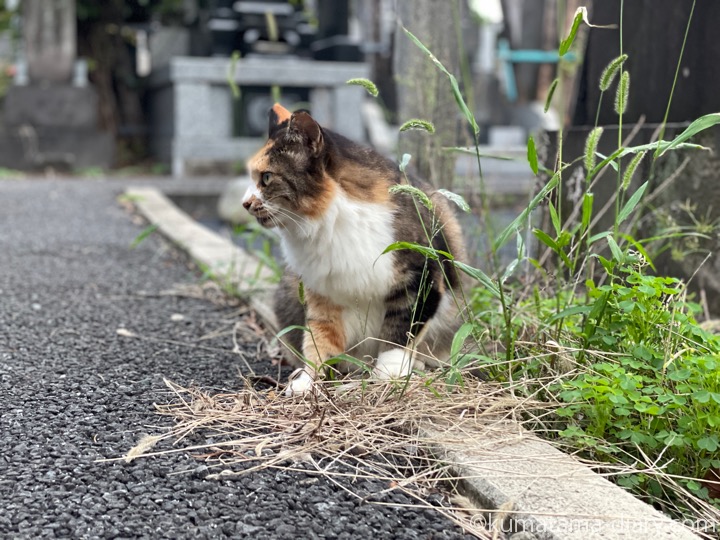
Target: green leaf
[(575, 310), (532, 155), (366, 84), (453, 81), (587, 208), (551, 92), (608, 160), (230, 75), (599, 236), (480, 276), (701, 124), (287, 329), (709, 443), (430, 253), (522, 218), (615, 249), (459, 340), (632, 203), (566, 43), (147, 231), (701, 396), (509, 271), (457, 199), (659, 146), (554, 218), (414, 192), (608, 74), (418, 124), (552, 244)]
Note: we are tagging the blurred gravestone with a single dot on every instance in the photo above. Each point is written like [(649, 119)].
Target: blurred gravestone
[(49, 38), (51, 119)]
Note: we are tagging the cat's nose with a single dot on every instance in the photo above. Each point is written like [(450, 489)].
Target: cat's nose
[(251, 196)]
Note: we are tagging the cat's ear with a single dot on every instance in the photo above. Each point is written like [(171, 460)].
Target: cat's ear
[(304, 125), (278, 115)]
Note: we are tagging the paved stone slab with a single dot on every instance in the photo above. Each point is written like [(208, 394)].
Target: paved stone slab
[(547, 492)]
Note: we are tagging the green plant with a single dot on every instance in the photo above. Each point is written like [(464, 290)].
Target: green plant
[(260, 242), (652, 383), (636, 377)]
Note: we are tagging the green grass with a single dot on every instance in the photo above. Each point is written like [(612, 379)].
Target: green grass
[(633, 380)]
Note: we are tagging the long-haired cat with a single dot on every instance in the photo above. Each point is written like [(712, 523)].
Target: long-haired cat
[(331, 203)]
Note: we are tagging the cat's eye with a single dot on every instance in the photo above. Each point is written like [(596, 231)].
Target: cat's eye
[(265, 179)]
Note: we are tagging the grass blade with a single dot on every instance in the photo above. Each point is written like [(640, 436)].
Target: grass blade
[(551, 92), (457, 199), (553, 245), (429, 252), (701, 124), (587, 208), (459, 340), (532, 155), (566, 43), (615, 249), (632, 203), (518, 221), (453, 81), (480, 276), (554, 218), (147, 231)]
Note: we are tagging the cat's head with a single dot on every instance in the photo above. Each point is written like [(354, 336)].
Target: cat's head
[(289, 184)]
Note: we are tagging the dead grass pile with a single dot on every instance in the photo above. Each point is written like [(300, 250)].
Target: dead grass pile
[(360, 430)]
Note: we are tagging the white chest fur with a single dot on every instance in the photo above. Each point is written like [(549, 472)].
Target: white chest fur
[(339, 255)]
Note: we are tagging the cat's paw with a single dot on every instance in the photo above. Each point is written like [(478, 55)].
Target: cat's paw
[(300, 383), (393, 364)]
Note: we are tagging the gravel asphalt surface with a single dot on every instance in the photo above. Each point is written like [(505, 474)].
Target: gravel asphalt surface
[(74, 391)]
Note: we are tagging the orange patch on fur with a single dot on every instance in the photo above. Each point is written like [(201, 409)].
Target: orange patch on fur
[(327, 334), (315, 206), (364, 184), (281, 112)]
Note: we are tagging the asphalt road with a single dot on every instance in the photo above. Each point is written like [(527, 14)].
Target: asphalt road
[(73, 391)]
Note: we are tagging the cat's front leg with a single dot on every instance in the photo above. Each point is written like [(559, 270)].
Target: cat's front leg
[(407, 311), (325, 339)]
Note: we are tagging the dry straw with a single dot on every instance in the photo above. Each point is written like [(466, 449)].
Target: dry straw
[(380, 431)]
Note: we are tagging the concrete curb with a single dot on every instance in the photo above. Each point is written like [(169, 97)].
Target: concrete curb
[(536, 487)]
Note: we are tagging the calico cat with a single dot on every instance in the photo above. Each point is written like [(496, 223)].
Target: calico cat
[(330, 201)]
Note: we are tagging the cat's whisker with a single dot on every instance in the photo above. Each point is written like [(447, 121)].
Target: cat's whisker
[(304, 228), (288, 212)]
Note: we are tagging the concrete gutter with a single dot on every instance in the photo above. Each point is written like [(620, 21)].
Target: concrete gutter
[(534, 486)]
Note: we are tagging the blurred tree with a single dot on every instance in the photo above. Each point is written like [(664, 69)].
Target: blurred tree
[(423, 91)]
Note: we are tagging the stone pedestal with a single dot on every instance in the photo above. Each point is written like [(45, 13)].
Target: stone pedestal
[(53, 126), (48, 121)]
